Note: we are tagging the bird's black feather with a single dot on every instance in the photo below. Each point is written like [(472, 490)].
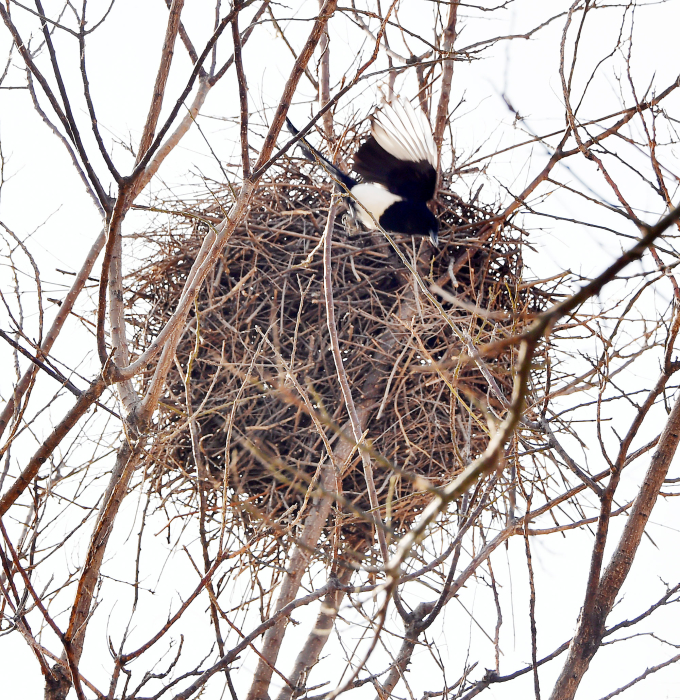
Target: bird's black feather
[(408, 179), (388, 177)]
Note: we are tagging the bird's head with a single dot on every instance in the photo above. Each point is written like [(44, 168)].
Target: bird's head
[(413, 218), (432, 228), (423, 222)]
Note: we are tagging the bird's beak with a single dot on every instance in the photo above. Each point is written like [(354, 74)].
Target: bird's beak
[(434, 237)]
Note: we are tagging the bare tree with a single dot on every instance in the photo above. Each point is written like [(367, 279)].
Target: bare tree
[(298, 453)]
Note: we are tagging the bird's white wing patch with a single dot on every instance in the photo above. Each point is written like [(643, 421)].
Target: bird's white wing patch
[(405, 133), (372, 198)]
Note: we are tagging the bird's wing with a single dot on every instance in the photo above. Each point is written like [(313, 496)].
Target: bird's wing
[(400, 153), (405, 133)]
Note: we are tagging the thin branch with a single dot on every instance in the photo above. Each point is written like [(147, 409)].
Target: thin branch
[(63, 118), (55, 374), (62, 314), (243, 98), (447, 76), (90, 105), (167, 54), (149, 153)]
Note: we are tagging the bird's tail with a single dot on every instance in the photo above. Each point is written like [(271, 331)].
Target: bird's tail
[(312, 155)]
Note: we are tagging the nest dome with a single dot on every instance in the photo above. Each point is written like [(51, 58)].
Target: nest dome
[(256, 354)]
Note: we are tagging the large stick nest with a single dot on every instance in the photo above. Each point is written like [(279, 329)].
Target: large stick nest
[(262, 319)]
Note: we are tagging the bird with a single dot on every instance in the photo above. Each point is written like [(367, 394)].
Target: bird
[(397, 167)]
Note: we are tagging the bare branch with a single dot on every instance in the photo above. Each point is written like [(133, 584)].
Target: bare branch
[(161, 78)]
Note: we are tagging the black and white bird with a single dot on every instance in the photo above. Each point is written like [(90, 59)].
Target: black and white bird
[(397, 166)]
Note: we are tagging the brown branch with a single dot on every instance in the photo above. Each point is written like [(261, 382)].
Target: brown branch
[(243, 97), (188, 44), (55, 374), (126, 460), (62, 314), (591, 627), (85, 400), (642, 676), (161, 78), (205, 83), (63, 118), (65, 143), (90, 104), (299, 66), (447, 76), (169, 144), (324, 87), (71, 126), (244, 38), (141, 165), (532, 606), (282, 35)]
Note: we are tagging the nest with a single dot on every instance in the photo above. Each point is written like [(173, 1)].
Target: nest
[(256, 359)]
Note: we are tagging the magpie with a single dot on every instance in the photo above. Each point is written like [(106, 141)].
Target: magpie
[(397, 167)]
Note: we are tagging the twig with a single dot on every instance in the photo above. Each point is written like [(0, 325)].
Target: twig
[(85, 400), (243, 97), (55, 374)]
